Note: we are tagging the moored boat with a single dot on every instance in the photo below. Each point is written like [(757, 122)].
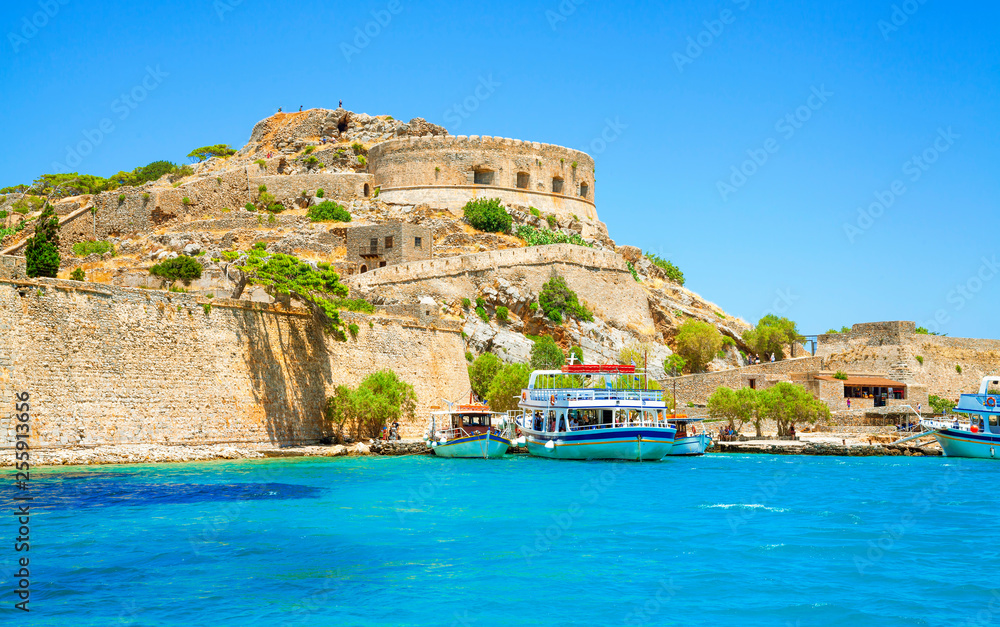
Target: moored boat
[(688, 440), (469, 431), (594, 412), (979, 435)]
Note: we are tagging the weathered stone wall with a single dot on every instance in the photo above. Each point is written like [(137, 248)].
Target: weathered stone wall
[(893, 347), (441, 171), (118, 365), (12, 267), (696, 388), (342, 186), (592, 274), (360, 253)]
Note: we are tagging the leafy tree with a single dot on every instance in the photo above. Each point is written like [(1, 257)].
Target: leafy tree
[(787, 404), (576, 352), (505, 389), (70, 184), (78, 274), (738, 407), (546, 354), (941, 405), (673, 272), (380, 399), (481, 373), (218, 150), (541, 237), (181, 268), (698, 342), (771, 335), (488, 215), (42, 251), (674, 365), (328, 211), (558, 302), (151, 172)]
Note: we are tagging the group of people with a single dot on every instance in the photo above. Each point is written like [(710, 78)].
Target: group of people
[(754, 359), (727, 433)]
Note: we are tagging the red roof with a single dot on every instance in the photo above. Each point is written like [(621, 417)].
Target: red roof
[(598, 369)]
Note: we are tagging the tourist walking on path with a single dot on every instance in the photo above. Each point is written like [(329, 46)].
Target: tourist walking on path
[(848, 403)]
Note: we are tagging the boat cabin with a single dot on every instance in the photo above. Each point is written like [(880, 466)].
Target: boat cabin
[(464, 421), (986, 402)]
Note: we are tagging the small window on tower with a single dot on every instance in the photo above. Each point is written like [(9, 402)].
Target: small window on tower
[(417, 242), (388, 242), (522, 180)]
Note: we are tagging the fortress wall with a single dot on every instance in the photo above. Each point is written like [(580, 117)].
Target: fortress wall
[(342, 187), (450, 161), (592, 274), (12, 267), (455, 198), (696, 388), (118, 365), (893, 347)]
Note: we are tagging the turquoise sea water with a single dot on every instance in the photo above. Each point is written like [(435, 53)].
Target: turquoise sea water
[(717, 540)]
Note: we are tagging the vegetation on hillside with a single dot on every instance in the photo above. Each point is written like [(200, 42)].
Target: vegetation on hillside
[(328, 211), (82, 249), (698, 343), (505, 388), (205, 152), (184, 269), (940, 405), (546, 354), (74, 184), (540, 237), (673, 272), (382, 398), (481, 373), (488, 215), (772, 335), (42, 251), (559, 302)]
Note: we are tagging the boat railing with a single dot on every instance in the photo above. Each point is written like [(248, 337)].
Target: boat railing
[(984, 401), (563, 394), (636, 422)]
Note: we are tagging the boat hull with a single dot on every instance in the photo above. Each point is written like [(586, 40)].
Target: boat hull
[(956, 443), (621, 444), (692, 445), (487, 446)]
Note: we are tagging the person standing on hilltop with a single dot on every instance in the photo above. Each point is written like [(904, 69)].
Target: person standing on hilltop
[(300, 108), (279, 109), (341, 105)]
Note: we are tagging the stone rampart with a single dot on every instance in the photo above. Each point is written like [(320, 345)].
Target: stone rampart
[(12, 267), (447, 169), (342, 186), (109, 365), (696, 388)]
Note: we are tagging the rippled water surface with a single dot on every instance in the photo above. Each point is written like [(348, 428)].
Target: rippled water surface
[(718, 540)]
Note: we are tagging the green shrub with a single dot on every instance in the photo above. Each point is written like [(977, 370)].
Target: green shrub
[(532, 307), (181, 268), (481, 312), (534, 212), (121, 198), (631, 268), (362, 160), (673, 272), (466, 303), (261, 163), (353, 329), (468, 356), (271, 219), (503, 314), (181, 172), (358, 148), (275, 207), (310, 149), (940, 405), (186, 201), (958, 369), (488, 215), (720, 315), (319, 193), (145, 196), (920, 359), (480, 301), (551, 219), (921, 331), (207, 308), (543, 237), (78, 274), (82, 249), (574, 164), (328, 211), (42, 251), (558, 302), (546, 354), (218, 150), (4, 214), (841, 375), (262, 188)]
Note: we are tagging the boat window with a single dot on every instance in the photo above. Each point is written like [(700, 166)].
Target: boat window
[(994, 424)]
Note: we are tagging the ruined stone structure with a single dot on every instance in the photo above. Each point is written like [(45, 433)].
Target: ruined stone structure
[(118, 365), (376, 246), (450, 171)]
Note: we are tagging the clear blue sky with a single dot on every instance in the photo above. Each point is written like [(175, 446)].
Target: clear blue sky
[(924, 83)]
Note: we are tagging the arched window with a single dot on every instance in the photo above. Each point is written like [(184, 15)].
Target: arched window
[(584, 190), (364, 268), (368, 190), (557, 185), (523, 179)]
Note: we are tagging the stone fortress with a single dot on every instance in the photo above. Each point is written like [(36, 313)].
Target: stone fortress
[(119, 360)]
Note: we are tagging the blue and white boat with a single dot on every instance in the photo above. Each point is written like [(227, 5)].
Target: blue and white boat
[(978, 435), (470, 431), (688, 441), (593, 412)]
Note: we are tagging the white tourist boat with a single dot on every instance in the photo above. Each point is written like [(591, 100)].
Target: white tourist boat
[(688, 440), (594, 412), (470, 431), (978, 434)]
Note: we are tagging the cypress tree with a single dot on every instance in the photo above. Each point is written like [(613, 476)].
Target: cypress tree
[(42, 252)]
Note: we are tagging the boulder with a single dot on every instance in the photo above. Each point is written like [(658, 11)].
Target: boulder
[(630, 253)]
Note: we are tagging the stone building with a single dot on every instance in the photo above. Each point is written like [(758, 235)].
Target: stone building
[(380, 245), (450, 171)]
